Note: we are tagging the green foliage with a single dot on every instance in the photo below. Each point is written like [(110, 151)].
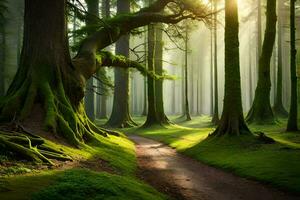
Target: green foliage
[(277, 164), (79, 184)]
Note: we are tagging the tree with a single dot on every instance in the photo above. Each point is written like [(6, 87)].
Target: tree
[(261, 110), (2, 46), (293, 115), (152, 115), (158, 57), (102, 100), (49, 81), (120, 116), (186, 107), (92, 15), (259, 37), (232, 119), (215, 118), (278, 108)]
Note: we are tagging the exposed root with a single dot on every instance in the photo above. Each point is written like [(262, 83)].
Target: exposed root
[(30, 148)]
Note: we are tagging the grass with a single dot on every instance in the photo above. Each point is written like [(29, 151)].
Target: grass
[(78, 184), (276, 164), (25, 181)]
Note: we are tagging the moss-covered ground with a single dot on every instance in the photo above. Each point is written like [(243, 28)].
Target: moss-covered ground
[(276, 164), (100, 170)]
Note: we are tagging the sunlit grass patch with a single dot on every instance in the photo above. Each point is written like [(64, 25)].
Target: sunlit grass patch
[(84, 184)]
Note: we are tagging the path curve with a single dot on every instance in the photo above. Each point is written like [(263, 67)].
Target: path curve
[(185, 178)]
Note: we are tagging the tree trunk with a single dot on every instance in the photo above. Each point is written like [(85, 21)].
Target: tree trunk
[(278, 108), (50, 83), (187, 107), (293, 115), (2, 57), (215, 118), (152, 116), (158, 57), (120, 116), (144, 113), (232, 120), (46, 76), (102, 100), (259, 36), (89, 100), (261, 111)]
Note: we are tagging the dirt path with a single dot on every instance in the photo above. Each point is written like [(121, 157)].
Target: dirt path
[(185, 178)]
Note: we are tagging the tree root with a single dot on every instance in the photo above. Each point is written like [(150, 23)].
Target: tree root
[(30, 148)]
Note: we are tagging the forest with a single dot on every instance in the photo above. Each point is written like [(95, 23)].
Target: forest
[(149, 99)]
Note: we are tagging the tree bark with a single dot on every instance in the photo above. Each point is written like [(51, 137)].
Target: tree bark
[(102, 100), (89, 99), (120, 116), (2, 57), (158, 57), (278, 108), (261, 111), (259, 36), (232, 120), (215, 118), (152, 116), (49, 81), (187, 107), (293, 115)]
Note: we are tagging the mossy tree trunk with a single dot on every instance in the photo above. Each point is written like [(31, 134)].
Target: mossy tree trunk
[(278, 108), (152, 116), (120, 116), (261, 111), (232, 120), (159, 102), (293, 115), (49, 80)]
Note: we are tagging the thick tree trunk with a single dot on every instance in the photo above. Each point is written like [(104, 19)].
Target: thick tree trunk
[(261, 111), (120, 116), (49, 82), (293, 115), (158, 57), (232, 120), (278, 108), (47, 77), (152, 116), (215, 118)]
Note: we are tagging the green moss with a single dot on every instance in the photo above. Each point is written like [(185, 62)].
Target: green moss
[(84, 184)]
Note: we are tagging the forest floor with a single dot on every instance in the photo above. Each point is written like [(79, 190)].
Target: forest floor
[(274, 165), (101, 170), (109, 169)]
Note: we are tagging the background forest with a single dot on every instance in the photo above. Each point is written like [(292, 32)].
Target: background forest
[(83, 83)]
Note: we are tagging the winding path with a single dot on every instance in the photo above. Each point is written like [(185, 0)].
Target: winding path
[(185, 178)]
